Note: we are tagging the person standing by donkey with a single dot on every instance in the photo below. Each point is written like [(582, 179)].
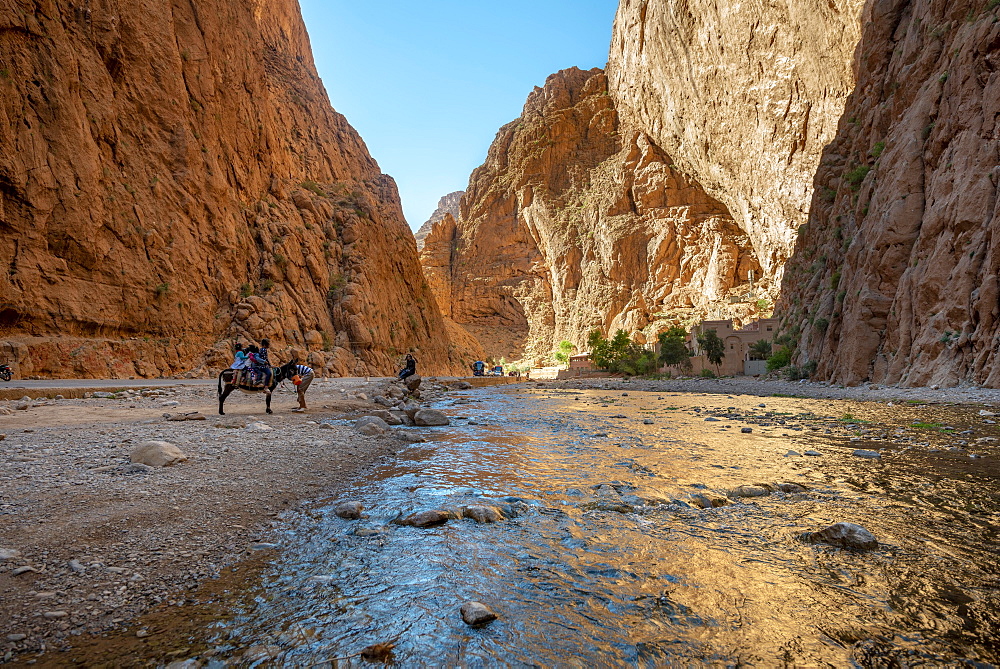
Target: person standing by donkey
[(304, 376)]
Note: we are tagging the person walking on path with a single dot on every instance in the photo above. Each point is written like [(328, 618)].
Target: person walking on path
[(410, 369), (305, 376)]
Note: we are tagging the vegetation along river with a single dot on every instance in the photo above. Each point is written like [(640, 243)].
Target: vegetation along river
[(605, 557)]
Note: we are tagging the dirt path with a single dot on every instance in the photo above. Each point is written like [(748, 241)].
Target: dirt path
[(89, 541)]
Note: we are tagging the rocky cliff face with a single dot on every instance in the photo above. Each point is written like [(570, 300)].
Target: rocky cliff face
[(172, 176), (575, 223), (895, 279), (743, 97), (446, 205)]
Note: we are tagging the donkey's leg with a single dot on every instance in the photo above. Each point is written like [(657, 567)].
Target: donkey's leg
[(223, 396), (268, 399)]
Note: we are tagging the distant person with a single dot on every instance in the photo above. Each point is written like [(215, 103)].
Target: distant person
[(410, 369), (304, 376)]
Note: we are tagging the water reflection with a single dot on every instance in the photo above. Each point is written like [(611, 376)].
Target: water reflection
[(606, 559)]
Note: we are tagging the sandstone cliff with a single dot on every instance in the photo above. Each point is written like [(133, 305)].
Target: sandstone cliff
[(446, 205), (172, 176), (743, 96), (574, 223), (895, 279)]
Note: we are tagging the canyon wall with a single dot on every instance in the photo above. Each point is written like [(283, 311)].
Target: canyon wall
[(895, 278), (446, 205), (743, 96), (577, 223), (173, 178)]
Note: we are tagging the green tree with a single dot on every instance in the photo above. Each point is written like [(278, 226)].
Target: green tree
[(760, 350), (565, 350), (673, 347), (713, 347), (599, 349)]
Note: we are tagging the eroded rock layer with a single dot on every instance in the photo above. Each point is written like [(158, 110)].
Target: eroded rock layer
[(743, 96), (895, 279), (575, 223), (172, 177)]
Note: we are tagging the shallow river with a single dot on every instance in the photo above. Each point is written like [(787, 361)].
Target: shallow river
[(606, 560)]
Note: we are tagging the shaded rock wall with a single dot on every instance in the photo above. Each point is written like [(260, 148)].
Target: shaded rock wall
[(574, 223), (172, 176), (743, 96), (895, 279)]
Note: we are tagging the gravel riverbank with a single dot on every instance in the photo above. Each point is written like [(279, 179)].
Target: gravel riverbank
[(89, 540)]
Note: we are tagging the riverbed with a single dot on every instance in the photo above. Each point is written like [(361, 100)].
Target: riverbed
[(606, 558)]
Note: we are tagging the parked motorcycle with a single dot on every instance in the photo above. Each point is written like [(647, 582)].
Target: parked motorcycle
[(6, 372)]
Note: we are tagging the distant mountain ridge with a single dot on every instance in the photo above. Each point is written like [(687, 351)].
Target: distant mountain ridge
[(446, 205)]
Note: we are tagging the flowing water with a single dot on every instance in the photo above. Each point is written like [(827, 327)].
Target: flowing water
[(606, 560)]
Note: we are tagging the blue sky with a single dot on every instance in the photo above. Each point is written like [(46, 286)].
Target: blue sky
[(428, 84)]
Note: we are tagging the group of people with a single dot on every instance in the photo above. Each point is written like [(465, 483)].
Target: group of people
[(254, 359)]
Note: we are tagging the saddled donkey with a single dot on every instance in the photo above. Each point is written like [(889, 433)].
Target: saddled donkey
[(236, 379)]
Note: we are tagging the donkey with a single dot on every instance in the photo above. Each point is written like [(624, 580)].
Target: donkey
[(233, 380)]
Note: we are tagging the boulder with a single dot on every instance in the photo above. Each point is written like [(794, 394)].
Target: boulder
[(430, 418), (350, 510), (844, 535), (412, 382), (371, 426), (482, 514), (157, 454), (750, 491), (427, 518), (477, 613)]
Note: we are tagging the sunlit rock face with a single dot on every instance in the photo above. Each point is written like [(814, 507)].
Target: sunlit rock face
[(446, 205), (172, 178), (895, 278), (576, 222), (743, 96)]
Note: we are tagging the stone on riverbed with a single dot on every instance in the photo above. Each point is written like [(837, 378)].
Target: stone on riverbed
[(873, 455), (412, 382), (844, 535), (750, 491), (477, 613), (350, 510), (427, 518), (705, 502), (482, 514), (371, 426), (430, 418), (8, 554), (157, 454)]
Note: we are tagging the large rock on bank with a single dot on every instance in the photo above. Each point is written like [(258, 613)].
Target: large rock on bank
[(844, 535), (157, 454)]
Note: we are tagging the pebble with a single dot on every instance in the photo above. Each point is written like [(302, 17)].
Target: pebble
[(8, 554), (746, 430), (792, 454), (16, 637), (647, 422), (55, 615), (350, 510), (874, 455), (23, 570), (259, 427), (477, 613), (710, 419), (813, 454), (142, 634)]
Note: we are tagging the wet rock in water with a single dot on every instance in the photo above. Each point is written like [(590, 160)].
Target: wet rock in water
[(749, 491), (8, 554), (790, 487), (482, 513), (350, 510), (371, 426), (157, 454), (427, 518), (256, 654), (843, 535), (705, 502), (813, 454), (407, 437), (610, 505), (387, 416), (460, 385), (477, 613), (412, 382), (430, 418), (873, 455)]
